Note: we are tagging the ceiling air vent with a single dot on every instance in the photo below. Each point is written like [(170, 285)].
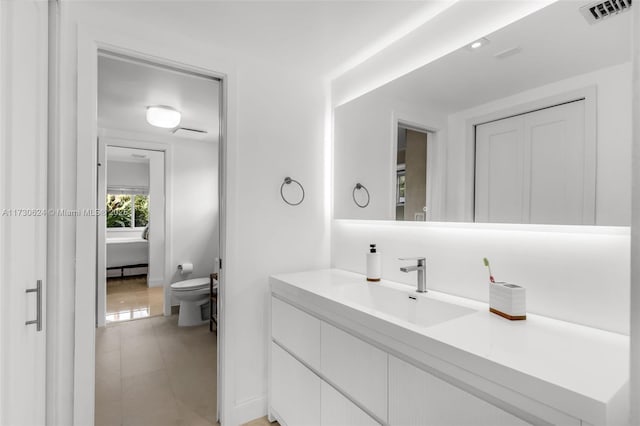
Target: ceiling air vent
[(596, 12)]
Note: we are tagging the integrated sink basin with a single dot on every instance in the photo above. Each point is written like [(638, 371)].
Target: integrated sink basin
[(403, 304)]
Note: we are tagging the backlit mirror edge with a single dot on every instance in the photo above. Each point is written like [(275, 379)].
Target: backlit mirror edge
[(466, 219)]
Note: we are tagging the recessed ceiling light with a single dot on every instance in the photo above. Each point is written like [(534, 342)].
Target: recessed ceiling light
[(163, 116), (478, 44)]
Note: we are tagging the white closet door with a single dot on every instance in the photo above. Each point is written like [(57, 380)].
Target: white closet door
[(536, 168), (23, 203), (554, 173), (499, 177)]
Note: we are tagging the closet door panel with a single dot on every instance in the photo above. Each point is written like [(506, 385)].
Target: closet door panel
[(23, 211), (555, 164), (537, 167), (499, 177)]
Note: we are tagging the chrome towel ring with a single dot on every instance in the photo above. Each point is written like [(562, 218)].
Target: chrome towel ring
[(358, 187), (287, 181)]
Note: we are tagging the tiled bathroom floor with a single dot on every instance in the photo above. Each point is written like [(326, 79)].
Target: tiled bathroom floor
[(130, 298), (262, 421), (152, 372)]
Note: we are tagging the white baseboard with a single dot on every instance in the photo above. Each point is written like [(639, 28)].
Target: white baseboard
[(155, 283)]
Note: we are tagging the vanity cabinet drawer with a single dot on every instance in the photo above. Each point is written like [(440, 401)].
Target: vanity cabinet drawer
[(297, 331), (422, 399), (295, 390), (337, 410), (356, 367)]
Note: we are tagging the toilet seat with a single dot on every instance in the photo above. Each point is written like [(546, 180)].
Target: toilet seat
[(190, 285)]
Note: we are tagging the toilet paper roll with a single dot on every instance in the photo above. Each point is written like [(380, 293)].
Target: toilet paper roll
[(185, 268)]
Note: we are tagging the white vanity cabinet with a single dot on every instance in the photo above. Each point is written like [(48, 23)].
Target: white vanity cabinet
[(295, 389), (356, 367), (418, 398), (356, 361), (324, 375), (337, 410), (297, 331), (298, 394)]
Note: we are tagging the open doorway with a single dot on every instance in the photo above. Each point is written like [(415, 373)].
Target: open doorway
[(413, 187), (130, 264), (158, 243)]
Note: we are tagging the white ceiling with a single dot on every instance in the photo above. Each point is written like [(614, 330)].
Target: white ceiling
[(321, 36), (556, 43), (318, 35), (126, 88)]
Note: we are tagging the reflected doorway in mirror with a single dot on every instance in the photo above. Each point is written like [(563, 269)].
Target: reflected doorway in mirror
[(412, 183)]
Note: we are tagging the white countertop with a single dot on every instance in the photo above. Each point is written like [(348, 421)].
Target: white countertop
[(543, 358)]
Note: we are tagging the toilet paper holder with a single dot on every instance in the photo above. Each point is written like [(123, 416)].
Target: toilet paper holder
[(185, 268)]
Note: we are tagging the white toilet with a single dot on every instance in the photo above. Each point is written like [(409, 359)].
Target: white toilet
[(192, 294)]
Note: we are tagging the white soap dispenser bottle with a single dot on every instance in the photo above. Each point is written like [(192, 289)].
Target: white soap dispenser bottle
[(374, 264)]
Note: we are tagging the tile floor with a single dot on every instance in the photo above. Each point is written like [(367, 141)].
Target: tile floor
[(130, 298), (262, 421), (150, 372)]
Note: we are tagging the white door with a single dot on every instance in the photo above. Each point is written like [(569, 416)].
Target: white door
[(499, 176), (535, 168), (23, 214)]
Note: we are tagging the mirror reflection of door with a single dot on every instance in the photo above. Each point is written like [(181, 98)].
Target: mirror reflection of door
[(411, 183), (534, 168)]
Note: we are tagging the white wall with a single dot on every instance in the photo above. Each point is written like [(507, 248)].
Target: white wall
[(576, 274), (275, 128), (280, 133), (613, 170), (127, 174), (194, 208), (364, 151)]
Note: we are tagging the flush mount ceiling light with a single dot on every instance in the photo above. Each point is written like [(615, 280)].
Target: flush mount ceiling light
[(163, 116), (478, 44)]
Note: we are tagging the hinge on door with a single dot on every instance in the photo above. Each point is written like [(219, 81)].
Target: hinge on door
[(219, 263)]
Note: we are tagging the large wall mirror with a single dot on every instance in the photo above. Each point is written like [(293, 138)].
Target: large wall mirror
[(532, 124)]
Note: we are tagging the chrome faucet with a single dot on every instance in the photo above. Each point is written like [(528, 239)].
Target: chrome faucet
[(422, 285)]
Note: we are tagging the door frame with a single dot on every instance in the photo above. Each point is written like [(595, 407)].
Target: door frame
[(90, 42), (436, 154)]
